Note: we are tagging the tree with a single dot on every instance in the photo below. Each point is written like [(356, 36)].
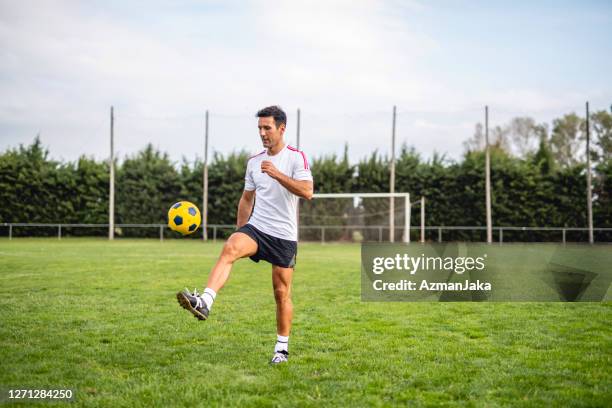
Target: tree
[(525, 135), (498, 138), (566, 140), (91, 191), (543, 158), (601, 146), (225, 186), (147, 184), (34, 188), (477, 142), (602, 201)]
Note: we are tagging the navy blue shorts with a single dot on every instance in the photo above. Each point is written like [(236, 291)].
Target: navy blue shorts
[(277, 251)]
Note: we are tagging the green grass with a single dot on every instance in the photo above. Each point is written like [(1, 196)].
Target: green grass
[(102, 318)]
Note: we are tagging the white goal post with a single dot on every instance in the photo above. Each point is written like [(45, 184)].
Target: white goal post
[(407, 206)]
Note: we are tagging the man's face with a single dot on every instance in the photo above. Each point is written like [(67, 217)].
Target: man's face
[(269, 133)]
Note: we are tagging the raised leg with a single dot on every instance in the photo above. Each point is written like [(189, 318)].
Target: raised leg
[(239, 245)]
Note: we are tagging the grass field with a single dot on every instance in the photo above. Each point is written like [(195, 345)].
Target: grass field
[(102, 318)]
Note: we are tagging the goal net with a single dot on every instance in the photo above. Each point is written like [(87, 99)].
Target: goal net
[(357, 217)]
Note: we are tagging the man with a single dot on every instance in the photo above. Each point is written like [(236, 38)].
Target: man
[(267, 230)]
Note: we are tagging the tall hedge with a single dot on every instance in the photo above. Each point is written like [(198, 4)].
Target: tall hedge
[(532, 191)]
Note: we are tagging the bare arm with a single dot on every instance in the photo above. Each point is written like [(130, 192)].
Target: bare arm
[(245, 207), (301, 188)]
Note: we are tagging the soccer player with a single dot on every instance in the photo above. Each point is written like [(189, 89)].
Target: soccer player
[(266, 224)]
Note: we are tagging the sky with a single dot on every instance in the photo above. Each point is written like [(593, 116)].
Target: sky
[(344, 64)]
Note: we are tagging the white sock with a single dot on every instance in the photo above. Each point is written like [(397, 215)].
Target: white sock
[(282, 343), (208, 297)]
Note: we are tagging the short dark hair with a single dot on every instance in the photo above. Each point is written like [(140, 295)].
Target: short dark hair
[(280, 117)]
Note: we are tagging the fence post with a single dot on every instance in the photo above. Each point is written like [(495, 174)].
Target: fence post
[(59, 231), (563, 230), (501, 236), (161, 233), (380, 234), (406, 237), (439, 234), (215, 233), (322, 235), (10, 231), (422, 219)]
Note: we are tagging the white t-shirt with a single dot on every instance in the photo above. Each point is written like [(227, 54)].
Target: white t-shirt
[(275, 211)]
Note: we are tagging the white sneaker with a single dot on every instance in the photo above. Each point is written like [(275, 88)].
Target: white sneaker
[(280, 357)]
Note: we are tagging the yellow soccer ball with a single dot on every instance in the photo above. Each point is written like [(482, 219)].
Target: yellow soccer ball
[(184, 217)]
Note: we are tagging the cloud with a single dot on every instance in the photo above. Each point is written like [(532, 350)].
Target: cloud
[(351, 52), (67, 62), (345, 64)]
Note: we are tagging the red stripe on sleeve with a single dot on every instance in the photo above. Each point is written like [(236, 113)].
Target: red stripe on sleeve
[(255, 155), (305, 161), (303, 155)]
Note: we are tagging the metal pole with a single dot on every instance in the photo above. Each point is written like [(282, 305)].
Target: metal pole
[(422, 219), (322, 235), (439, 234), (59, 231), (488, 178), (392, 182), (10, 231), (161, 233), (501, 236), (409, 215), (380, 234), (589, 192), (297, 142), (215, 233), (563, 236), (205, 183), (111, 199), (406, 219)]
